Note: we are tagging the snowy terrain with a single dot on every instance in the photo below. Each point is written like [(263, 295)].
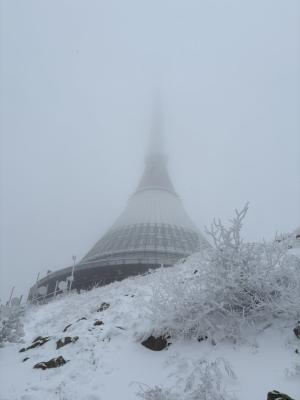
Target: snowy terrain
[(229, 318), (108, 362)]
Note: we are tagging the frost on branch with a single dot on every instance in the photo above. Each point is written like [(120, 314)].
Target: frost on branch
[(237, 285), (155, 393), (205, 382), (11, 328)]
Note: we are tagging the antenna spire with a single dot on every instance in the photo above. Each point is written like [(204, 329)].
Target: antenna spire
[(156, 175), (156, 143)]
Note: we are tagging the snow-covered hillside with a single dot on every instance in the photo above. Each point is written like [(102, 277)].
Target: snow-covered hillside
[(226, 324), (108, 362)]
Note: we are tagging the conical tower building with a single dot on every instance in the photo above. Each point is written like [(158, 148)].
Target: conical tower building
[(154, 229)]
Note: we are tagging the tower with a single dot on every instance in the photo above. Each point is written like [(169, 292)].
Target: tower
[(154, 229)]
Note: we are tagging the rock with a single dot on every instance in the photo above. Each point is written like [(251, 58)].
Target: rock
[(297, 351), (202, 338), (82, 319), (120, 327), (67, 327), (297, 331), (37, 339), (275, 395), (25, 359), (38, 342), (63, 342), (156, 344), (103, 307), (98, 323), (53, 363)]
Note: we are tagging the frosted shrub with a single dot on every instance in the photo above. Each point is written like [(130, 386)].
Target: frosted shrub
[(235, 286), (294, 372), (11, 328), (156, 393), (204, 383)]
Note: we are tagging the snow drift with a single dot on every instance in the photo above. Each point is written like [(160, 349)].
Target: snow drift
[(228, 317)]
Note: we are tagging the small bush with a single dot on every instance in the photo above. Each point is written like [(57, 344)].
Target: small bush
[(235, 286), (11, 328), (156, 393), (204, 383)]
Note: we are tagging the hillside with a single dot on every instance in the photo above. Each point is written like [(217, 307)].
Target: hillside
[(222, 325), (108, 361)]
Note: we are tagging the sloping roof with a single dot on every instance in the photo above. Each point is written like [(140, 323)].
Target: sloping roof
[(156, 174), (155, 206), (154, 221)]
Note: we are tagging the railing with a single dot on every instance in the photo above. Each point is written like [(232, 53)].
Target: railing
[(67, 274), (38, 298)]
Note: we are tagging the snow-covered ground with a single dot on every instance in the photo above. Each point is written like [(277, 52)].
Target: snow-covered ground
[(108, 362)]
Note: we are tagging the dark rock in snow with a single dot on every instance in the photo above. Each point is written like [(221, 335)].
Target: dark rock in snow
[(103, 307), (38, 342), (297, 331), (67, 327), (202, 338), (156, 344), (63, 342), (25, 359), (275, 395), (120, 327), (297, 351), (98, 323), (37, 339), (54, 363)]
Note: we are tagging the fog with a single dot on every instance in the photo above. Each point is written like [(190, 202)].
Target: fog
[(78, 81)]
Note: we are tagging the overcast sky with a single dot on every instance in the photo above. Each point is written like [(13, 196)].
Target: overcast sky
[(78, 79)]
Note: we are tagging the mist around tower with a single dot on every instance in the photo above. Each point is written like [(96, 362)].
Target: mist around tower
[(149, 210), (164, 309)]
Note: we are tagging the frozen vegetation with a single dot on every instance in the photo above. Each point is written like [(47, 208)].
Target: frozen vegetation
[(229, 291), (11, 326), (226, 322)]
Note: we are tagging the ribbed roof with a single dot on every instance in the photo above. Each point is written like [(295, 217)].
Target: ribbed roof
[(155, 206), (155, 200), (154, 221)]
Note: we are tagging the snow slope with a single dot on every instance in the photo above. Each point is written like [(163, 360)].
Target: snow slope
[(108, 362)]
